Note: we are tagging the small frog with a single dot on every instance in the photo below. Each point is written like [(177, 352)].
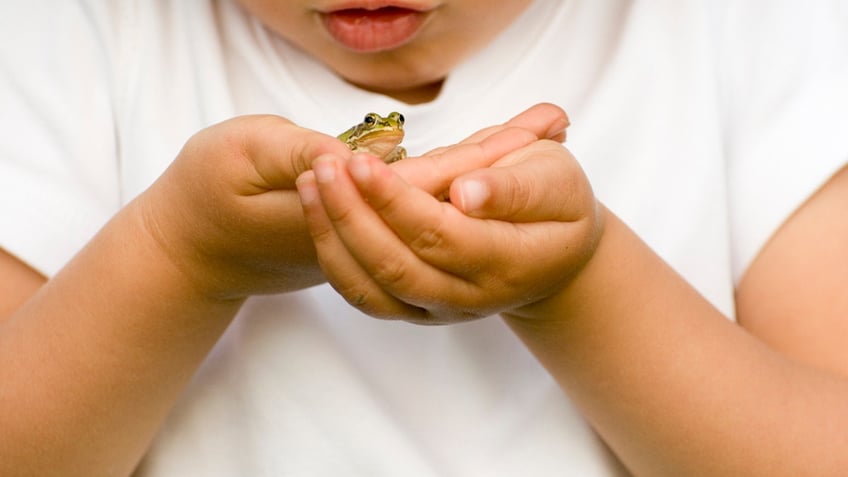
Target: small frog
[(378, 136)]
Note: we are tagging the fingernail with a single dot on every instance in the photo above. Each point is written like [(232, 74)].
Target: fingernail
[(359, 167), (473, 194), (557, 130), (325, 169), (306, 188)]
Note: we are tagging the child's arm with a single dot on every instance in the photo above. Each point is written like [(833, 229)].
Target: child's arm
[(673, 386), (677, 389), (92, 362)]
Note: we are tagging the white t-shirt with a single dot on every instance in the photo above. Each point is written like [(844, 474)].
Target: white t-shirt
[(703, 126)]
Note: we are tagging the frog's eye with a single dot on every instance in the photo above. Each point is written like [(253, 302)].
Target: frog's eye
[(401, 119), (369, 119)]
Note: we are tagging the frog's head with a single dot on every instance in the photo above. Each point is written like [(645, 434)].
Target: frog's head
[(374, 121), (376, 134)]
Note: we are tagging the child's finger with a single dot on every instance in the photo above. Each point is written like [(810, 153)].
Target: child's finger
[(280, 150), (375, 243), (435, 173), (435, 231), (544, 120), (428, 253), (540, 183), (485, 264), (340, 268)]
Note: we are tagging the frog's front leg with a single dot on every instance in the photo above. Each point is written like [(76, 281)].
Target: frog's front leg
[(397, 154)]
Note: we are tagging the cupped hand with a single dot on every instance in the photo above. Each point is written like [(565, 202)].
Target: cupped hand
[(227, 213), (521, 221)]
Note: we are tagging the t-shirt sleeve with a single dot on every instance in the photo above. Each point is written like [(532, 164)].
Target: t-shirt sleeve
[(58, 155), (784, 70)]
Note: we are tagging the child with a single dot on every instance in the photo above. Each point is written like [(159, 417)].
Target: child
[(171, 167)]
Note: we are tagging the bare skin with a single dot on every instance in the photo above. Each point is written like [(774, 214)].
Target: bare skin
[(669, 383), (143, 303), (673, 386), (412, 72), (18, 286)]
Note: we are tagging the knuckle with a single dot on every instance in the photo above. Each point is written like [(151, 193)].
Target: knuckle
[(390, 271), (518, 197), (322, 236), (388, 206), (428, 239), (341, 215)]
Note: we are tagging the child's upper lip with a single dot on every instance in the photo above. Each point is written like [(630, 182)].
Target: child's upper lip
[(414, 5)]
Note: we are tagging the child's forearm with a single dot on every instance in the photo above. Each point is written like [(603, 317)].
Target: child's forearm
[(673, 386), (90, 366)]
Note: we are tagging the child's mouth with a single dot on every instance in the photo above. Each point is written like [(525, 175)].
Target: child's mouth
[(369, 31)]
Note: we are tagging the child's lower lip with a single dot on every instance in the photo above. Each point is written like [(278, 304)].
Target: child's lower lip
[(376, 30)]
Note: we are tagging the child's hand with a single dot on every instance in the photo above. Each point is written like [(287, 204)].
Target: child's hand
[(227, 212), (513, 234)]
